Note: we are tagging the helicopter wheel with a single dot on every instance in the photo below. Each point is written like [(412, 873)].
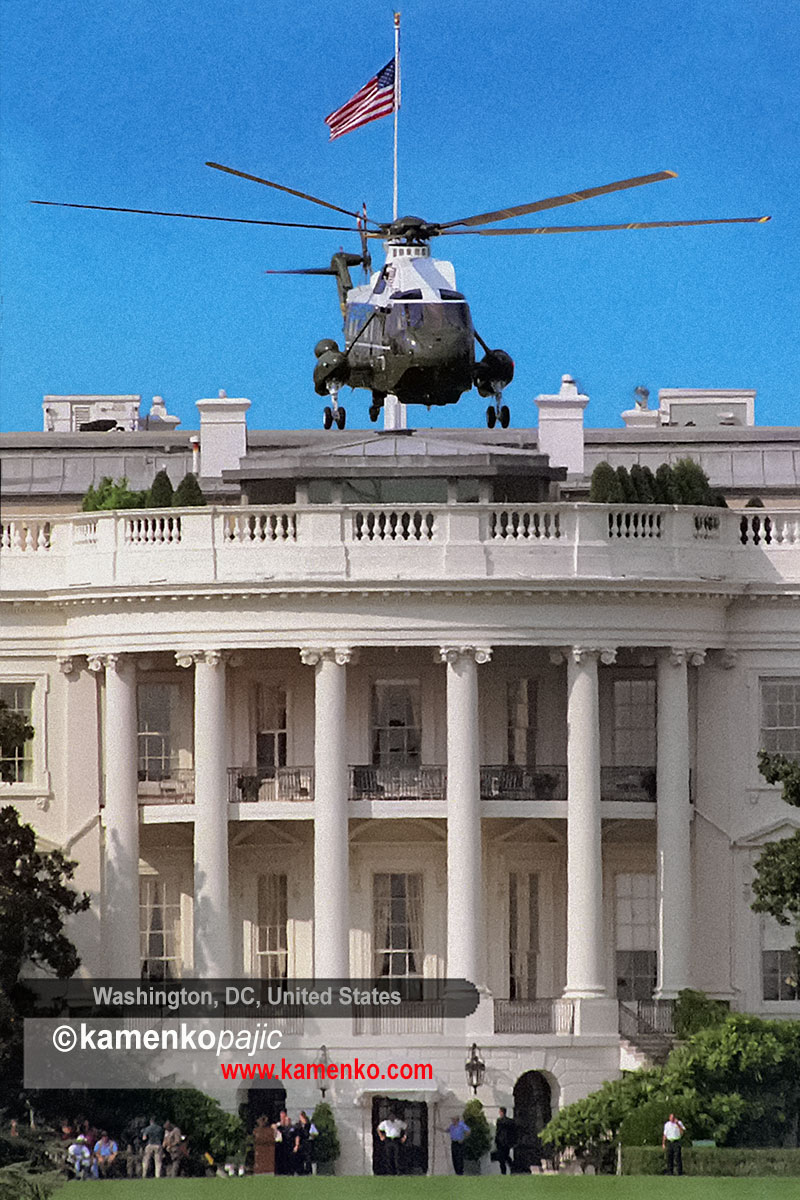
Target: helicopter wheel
[(341, 418), (504, 416), (491, 416), (327, 417), (374, 412)]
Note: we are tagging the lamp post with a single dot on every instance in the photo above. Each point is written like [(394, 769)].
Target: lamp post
[(324, 1059), (475, 1068)]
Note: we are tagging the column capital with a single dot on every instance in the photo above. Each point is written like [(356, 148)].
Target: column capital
[(310, 656), (728, 659), (190, 658), (451, 654), (67, 664), (677, 656), (580, 655), (108, 662)]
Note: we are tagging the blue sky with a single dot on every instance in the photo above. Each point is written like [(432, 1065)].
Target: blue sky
[(116, 104)]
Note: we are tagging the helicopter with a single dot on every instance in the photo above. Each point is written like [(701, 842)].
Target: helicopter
[(408, 331)]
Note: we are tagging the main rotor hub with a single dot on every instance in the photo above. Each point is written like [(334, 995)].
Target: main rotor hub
[(412, 230)]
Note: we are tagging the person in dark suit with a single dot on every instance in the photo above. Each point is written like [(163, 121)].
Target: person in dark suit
[(505, 1135)]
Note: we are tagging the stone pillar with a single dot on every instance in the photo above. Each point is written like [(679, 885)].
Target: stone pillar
[(673, 821), (586, 964), (120, 817), (465, 933), (213, 956), (331, 791)]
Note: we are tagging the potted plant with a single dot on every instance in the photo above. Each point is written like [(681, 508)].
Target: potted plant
[(479, 1139), (325, 1148)]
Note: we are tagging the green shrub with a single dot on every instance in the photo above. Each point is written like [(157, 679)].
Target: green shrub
[(325, 1147), (695, 1011), (604, 487), (17, 1183), (161, 491), (742, 1162), (626, 486), (644, 484), (109, 495), (691, 483), (645, 1125), (479, 1139), (188, 493)]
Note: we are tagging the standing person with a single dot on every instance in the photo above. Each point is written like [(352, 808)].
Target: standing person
[(105, 1152), (302, 1146), (132, 1144), (174, 1149), (284, 1144), (152, 1136), (459, 1132), (671, 1142), (392, 1132), (505, 1135)]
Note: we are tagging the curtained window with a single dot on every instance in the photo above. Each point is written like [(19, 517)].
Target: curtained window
[(523, 935), (271, 943), (397, 925), (159, 928), (396, 723)]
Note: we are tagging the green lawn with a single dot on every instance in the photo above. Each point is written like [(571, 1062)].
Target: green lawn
[(552, 1187)]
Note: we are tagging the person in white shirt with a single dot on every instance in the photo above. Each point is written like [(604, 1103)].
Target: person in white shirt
[(671, 1142), (79, 1158), (392, 1132)]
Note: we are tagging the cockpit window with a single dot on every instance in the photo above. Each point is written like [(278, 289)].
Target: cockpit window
[(448, 294), (429, 316)]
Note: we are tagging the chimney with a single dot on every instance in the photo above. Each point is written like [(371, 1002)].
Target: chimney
[(561, 426), (223, 434)]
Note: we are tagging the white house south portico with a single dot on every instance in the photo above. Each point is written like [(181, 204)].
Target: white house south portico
[(404, 705)]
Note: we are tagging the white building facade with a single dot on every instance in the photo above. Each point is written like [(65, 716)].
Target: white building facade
[(394, 706)]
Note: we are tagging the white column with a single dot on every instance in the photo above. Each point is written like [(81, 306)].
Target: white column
[(586, 966), (120, 817), (331, 789), (673, 818), (464, 869), (213, 956)]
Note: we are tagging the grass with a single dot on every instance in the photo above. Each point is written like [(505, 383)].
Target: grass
[(521, 1187)]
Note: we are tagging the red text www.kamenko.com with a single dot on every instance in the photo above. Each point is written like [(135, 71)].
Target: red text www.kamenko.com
[(321, 1072)]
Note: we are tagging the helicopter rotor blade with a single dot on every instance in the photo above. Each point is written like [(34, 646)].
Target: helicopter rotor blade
[(602, 228), (154, 212), (280, 187), (504, 214), (304, 271)]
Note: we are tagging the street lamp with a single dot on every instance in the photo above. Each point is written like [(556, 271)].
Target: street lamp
[(475, 1068), (323, 1058)]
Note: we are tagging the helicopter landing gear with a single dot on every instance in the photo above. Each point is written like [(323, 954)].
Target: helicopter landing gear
[(333, 413), (497, 413)]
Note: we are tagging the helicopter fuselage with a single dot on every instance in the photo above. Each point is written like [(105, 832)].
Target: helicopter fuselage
[(409, 331)]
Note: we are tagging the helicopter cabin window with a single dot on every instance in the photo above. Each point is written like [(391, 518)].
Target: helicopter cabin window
[(431, 316), (357, 317), (447, 294)]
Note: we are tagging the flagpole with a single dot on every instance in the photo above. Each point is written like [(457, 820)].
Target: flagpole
[(396, 104)]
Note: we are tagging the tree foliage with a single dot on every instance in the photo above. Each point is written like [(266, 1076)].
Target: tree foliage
[(188, 493), (110, 494), (777, 883), (161, 491), (695, 1011), (479, 1139), (326, 1147), (15, 731), (684, 482)]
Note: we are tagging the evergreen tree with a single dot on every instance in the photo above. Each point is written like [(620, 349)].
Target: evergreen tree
[(161, 492), (644, 484), (604, 488), (188, 493), (325, 1147), (479, 1139), (626, 486), (665, 485), (691, 483), (109, 495)]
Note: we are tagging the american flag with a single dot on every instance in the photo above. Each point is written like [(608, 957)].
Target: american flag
[(375, 99)]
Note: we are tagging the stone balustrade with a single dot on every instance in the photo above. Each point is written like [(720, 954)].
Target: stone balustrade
[(221, 545)]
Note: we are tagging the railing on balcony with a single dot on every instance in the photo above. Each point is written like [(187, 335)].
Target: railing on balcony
[(628, 783), (424, 1017), (649, 1025), (398, 783), (175, 788), (248, 785), (534, 1016), (511, 782)]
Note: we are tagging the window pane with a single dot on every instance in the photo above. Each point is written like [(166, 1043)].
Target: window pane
[(521, 740), (16, 764), (396, 730), (159, 928), (634, 722), (397, 925), (780, 716), (158, 751)]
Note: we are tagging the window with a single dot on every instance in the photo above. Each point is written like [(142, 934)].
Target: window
[(779, 962), (635, 916), (521, 741), (158, 712), (780, 716), (16, 765), (271, 945), (159, 928), (271, 731), (634, 723), (396, 730), (397, 925), (523, 935)]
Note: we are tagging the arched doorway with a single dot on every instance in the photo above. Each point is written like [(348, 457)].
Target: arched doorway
[(532, 1111)]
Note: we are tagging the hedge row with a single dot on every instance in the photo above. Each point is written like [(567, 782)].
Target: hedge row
[(721, 1160)]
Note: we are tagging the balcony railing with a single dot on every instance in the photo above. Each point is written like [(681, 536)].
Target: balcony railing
[(398, 783), (628, 783), (458, 542), (247, 785), (534, 1016), (176, 788), (523, 783), (426, 1016)]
